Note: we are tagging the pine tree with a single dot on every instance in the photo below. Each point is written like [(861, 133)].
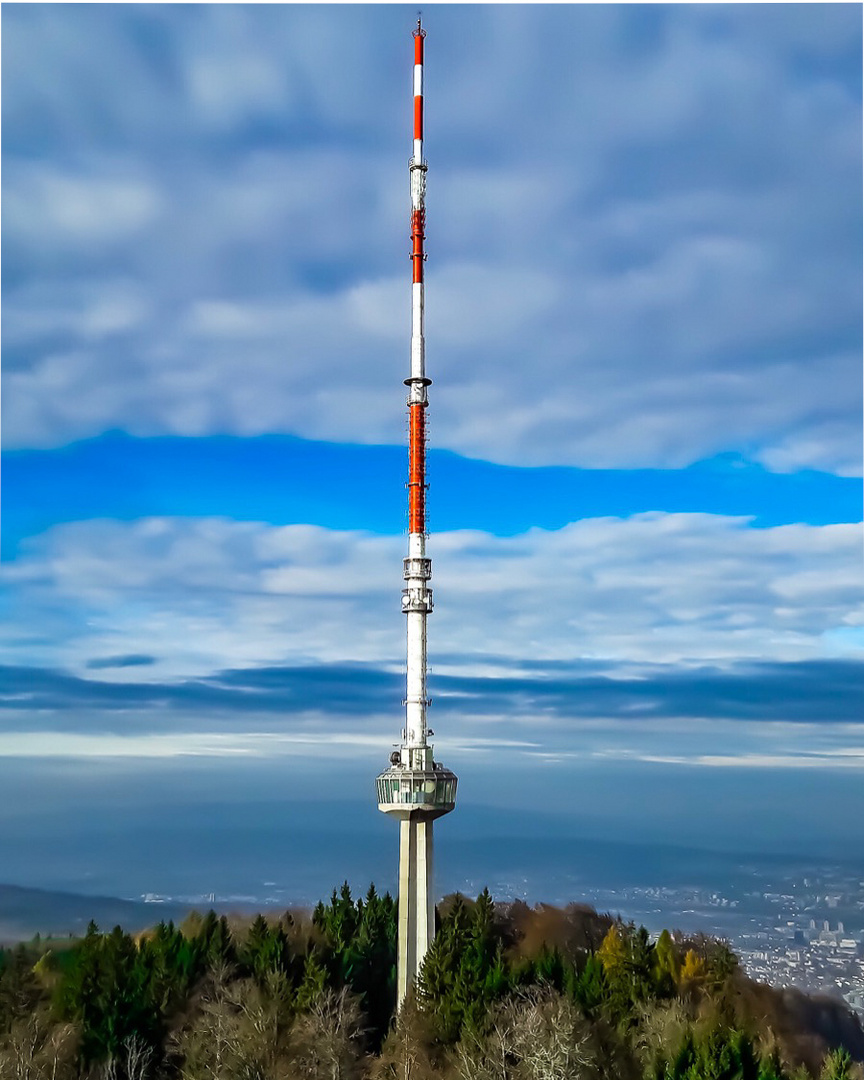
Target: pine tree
[(838, 1065), (439, 987), (771, 1068), (641, 964), (20, 989), (313, 982), (588, 987)]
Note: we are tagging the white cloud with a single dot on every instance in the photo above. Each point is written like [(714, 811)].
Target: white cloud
[(692, 743), (337, 739), (642, 229), (208, 594), (87, 309), (47, 207)]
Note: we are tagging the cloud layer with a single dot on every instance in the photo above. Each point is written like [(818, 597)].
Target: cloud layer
[(689, 639), (644, 228), (202, 595)]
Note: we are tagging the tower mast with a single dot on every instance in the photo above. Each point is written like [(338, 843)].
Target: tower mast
[(416, 789)]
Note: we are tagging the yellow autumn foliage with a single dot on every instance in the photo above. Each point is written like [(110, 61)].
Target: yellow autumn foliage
[(693, 969), (613, 951)]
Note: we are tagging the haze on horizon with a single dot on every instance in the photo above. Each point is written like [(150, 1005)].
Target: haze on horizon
[(644, 328)]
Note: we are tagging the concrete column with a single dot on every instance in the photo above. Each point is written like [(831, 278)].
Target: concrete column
[(416, 900)]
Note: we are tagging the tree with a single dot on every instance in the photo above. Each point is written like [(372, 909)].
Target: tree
[(838, 1065), (665, 965), (693, 970), (662, 1026), (134, 1061), (587, 987), (327, 1040), (771, 1067), (371, 970), (712, 1053), (313, 983), (266, 951), (464, 969), (233, 1033), (410, 1051), (215, 941), (614, 955), (20, 988), (36, 1048), (440, 992), (532, 1035)]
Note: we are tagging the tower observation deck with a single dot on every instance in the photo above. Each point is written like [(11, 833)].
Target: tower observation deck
[(416, 789)]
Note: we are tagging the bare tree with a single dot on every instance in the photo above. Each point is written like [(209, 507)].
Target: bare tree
[(662, 1025), (328, 1039), (134, 1062), (408, 1052), (486, 1058), (37, 1049), (534, 1035), (209, 1044)]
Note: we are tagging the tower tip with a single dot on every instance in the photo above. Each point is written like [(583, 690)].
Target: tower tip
[(419, 32)]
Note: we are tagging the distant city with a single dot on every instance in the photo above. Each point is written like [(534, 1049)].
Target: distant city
[(781, 937)]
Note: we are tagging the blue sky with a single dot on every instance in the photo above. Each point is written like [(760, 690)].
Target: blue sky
[(644, 330)]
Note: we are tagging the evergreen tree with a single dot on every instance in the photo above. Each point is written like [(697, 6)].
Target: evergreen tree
[(108, 993), (216, 942), (439, 987), (313, 982), (588, 987), (838, 1065), (549, 968), (641, 964), (771, 1068), (266, 951), (715, 1054), (20, 989), (373, 967), (465, 969), (496, 999)]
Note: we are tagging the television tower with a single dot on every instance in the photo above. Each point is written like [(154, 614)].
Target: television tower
[(416, 789)]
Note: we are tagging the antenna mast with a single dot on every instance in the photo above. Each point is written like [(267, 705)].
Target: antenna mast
[(416, 789)]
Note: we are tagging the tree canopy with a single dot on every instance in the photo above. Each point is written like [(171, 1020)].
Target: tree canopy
[(507, 992)]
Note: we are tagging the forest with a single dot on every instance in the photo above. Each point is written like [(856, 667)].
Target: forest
[(507, 992)]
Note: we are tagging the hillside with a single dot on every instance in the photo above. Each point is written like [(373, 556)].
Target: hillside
[(508, 992), (26, 912)]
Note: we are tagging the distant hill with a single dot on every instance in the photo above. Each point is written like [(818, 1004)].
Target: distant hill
[(26, 912)]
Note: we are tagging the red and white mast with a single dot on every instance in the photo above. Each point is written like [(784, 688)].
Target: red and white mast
[(417, 596), (416, 789)]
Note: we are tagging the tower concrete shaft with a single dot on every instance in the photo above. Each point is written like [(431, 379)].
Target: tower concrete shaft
[(416, 789), (416, 925)]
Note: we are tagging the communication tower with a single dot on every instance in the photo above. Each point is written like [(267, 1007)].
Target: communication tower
[(416, 789)]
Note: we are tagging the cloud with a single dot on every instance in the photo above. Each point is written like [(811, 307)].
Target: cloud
[(204, 595), (795, 715), (807, 692), (129, 660), (643, 229), (50, 208)]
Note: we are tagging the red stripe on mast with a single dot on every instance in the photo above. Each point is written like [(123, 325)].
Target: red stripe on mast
[(417, 237), (417, 469), (418, 117)]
